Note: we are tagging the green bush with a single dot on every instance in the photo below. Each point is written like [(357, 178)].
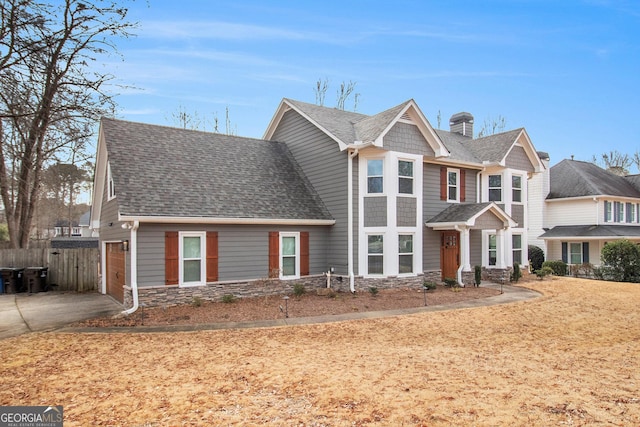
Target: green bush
[(450, 281), (299, 289), (621, 261), (544, 271), (536, 257), (373, 291), (559, 267), (429, 285), (516, 274), (196, 301), (228, 298), (477, 274)]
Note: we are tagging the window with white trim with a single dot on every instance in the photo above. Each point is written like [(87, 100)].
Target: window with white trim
[(516, 188), (495, 188), (405, 253), (375, 176), (575, 253), (375, 254), (608, 211), (192, 250), (111, 189), (493, 249), (405, 177), (453, 185), (290, 255), (516, 248), (618, 212), (631, 213)]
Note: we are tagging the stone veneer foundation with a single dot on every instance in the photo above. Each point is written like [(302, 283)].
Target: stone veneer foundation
[(163, 296)]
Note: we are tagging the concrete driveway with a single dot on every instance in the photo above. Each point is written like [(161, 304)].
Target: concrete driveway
[(45, 311)]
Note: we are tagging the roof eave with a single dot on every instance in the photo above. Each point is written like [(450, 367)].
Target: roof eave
[(223, 221)]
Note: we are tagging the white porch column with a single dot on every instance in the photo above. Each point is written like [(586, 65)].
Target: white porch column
[(465, 252), (500, 252)]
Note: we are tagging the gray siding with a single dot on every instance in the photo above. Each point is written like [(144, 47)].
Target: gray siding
[(488, 221), (475, 245), (517, 213), (406, 138), (243, 251), (517, 159), (431, 249), (375, 211), (406, 212), (326, 168)]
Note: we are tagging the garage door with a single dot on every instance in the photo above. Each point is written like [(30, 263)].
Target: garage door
[(115, 271)]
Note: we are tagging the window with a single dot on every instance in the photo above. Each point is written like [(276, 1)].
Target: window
[(516, 247), (618, 212), (375, 250), (375, 182), (111, 189), (493, 250), (192, 261), (516, 189), (289, 250), (495, 188), (405, 177), (631, 212), (405, 251), (453, 185), (608, 211), (575, 253)]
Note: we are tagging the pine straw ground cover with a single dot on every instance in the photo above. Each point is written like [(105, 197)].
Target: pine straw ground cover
[(571, 357)]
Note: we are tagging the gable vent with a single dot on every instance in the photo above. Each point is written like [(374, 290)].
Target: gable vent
[(406, 117)]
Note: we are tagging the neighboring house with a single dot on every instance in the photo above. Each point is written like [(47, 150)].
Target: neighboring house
[(587, 207), (81, 228), (383, 200)]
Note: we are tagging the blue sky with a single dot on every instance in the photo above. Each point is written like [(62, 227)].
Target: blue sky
[(568, 71)]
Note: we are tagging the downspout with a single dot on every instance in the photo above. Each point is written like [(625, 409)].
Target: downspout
[(133, 250), (350, 156)]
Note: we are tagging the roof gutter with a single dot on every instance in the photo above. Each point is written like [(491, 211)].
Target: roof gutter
[(133, 250), (231, 221)]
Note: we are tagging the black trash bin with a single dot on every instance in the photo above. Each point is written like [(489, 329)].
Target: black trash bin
[(36, 279), (12, 279)]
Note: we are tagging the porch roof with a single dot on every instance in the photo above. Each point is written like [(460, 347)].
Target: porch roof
[(465, 215), (606, 231)]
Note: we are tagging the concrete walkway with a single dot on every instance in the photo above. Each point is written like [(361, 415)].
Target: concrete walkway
[(510, 294), (45, 311)]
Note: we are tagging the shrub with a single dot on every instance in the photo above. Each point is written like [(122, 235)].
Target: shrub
[(536, 257), (559, 267), (196, 301), (584, 269), (228, 298), (621, 261), (477, 274), (544, 271), (450, 281), (299, 289), (516, 274), (373, 290), (429, 285)]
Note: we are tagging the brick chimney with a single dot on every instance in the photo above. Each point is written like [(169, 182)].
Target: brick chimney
[(462, 123)]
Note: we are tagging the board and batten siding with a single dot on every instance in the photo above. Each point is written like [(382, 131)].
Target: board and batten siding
[(325, 166), (243, 250), (406, 138)]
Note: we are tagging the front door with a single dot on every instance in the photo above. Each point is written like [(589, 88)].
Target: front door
[(450, 254)]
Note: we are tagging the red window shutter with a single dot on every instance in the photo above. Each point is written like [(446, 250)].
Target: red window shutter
[(274, 254), (212, 256), (443, 183), (171, 258), (463, 185), (304, 253)]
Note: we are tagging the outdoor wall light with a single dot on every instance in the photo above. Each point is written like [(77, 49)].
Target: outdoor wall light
[(125, 246)]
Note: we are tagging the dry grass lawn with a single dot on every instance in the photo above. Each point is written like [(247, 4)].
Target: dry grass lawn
[(571, 357)]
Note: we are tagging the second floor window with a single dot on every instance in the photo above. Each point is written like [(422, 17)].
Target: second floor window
[(495, 188), (405, 177), (516, 189), (608, 211), (375, 181), (453, 185)]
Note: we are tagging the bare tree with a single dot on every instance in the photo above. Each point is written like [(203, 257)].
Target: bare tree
[(343, 93), (50, 95), (321, 91), (492, 126), (615, 162)]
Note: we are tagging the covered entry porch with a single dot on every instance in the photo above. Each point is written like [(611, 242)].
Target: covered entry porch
[(472, 234)]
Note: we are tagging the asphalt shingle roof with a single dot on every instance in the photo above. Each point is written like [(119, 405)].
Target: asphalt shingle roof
[(170, 172), (459, 212), (592, 231), (573, 178)]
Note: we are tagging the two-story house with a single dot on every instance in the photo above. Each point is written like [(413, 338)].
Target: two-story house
[(383, 200), (586, 207)]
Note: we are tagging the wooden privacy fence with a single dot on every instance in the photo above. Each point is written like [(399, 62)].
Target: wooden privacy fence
[(69, 269)]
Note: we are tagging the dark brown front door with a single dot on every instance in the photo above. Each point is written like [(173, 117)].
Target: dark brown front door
[(450, 254), (115, 271)]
